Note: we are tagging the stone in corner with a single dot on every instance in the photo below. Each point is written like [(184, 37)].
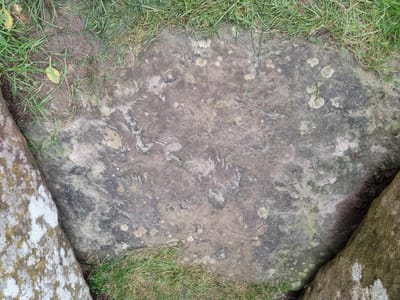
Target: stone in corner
[(368, 267), (36, 260)]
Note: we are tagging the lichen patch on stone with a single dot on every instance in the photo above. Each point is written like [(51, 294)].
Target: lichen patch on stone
[(327, 72), (337, 102), (248, 77), (11, 288), (173, 147), (312, 89), (269, 64), (200, 166), (124, 227), (140, 232), (41, 209), (344, 144), (156, 86), (375, 291), (313, 61), (316, 102), (356, 272), (262, 212), (201, 62)]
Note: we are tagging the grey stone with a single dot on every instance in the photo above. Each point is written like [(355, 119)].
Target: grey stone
[(262, 152), (368, 267), (36, 260)]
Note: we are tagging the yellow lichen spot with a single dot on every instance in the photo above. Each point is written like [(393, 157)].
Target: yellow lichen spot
[(33, 274), (19, 281), (51, 232), (41, 266), (10, 234), (29, 189), (20, 244), (15, 169), (3, 161), (3, 205)]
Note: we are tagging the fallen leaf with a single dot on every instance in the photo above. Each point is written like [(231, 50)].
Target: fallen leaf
[(8, 19), (53, 74)]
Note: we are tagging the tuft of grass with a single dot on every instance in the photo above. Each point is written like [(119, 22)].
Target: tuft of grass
[(159, 274), (369, 28)]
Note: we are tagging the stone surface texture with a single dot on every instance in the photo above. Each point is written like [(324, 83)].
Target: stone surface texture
[(368, 267), (36, 261), (252, 151)]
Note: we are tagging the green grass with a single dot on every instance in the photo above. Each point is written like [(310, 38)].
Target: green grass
[(368, 28), (19, 72), (159, 274)]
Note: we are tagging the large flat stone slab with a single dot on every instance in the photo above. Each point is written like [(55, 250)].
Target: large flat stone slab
[(255, 154), (368, 267), (36, 260)]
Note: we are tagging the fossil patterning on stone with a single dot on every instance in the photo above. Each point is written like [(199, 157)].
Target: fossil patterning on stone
[(243, 154)]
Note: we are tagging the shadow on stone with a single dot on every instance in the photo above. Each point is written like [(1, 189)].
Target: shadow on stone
[(352, 210)]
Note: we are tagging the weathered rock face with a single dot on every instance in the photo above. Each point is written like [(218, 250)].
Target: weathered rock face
[(368, 267), (255, 158), (36, 261)]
